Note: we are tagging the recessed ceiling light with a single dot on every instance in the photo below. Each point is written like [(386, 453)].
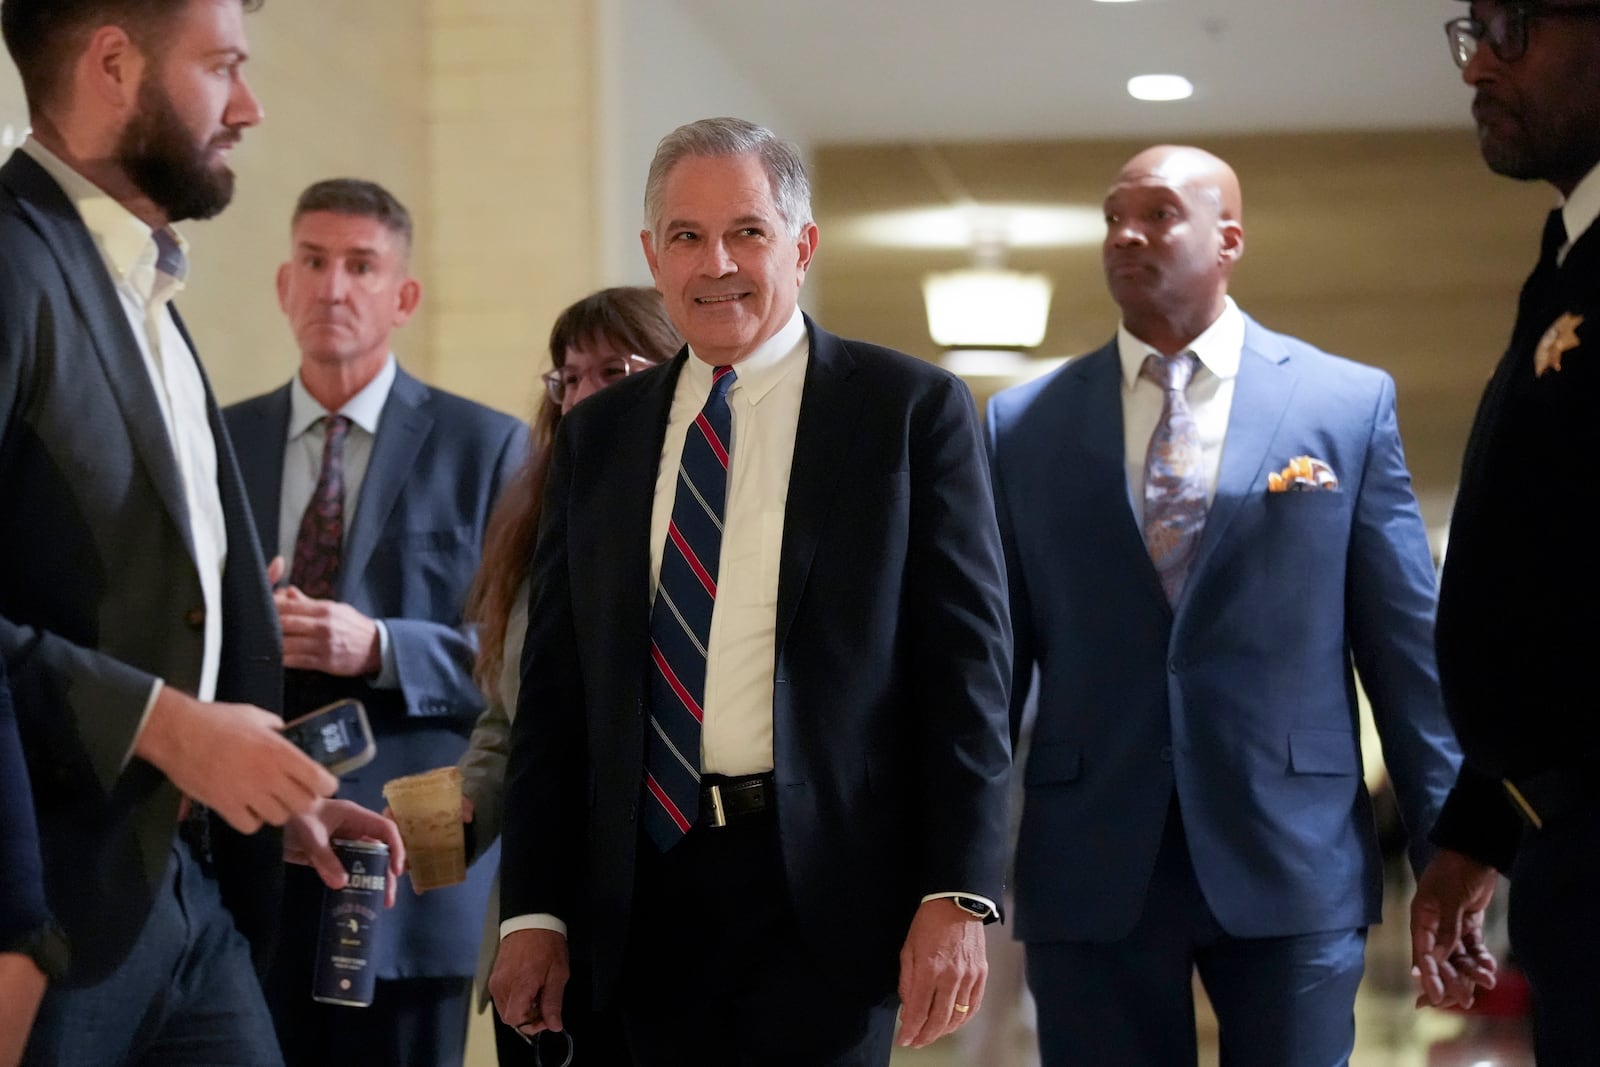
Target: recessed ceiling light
[(1160, 87)]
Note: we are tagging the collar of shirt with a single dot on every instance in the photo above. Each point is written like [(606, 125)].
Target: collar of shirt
[(125, 242), (766, 366), (1581, 208), (1218, 348), (364, 409)]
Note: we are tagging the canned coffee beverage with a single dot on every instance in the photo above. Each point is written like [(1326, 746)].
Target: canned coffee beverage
[(344, 973)]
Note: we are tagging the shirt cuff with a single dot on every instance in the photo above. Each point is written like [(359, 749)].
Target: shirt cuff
[(389, 673), (539, 921), (993, 908), (149, 705)]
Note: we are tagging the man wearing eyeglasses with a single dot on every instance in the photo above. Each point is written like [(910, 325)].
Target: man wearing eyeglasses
[(1517, 611), (373, 490)]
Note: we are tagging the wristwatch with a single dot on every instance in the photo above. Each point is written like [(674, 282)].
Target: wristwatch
[(46, 945), (974, 906)]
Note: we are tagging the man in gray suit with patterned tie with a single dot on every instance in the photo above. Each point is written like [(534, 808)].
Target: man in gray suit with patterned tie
[(373, 490)]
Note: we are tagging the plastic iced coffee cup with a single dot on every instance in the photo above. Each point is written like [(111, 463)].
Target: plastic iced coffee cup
[(427, 809)]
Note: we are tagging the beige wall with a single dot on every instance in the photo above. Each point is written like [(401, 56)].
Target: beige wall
[(511, 122)]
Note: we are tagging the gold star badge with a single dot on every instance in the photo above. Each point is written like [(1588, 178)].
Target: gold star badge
[(1562, 336)]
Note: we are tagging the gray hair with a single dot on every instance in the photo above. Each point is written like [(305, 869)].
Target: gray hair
[(791, 190)]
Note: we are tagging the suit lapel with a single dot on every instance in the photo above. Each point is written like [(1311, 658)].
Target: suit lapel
[(1091, 452), (260, 440), (1089, 427), (1261, 395), (638, 435), (401, 431), (828, 408), (47, 209)]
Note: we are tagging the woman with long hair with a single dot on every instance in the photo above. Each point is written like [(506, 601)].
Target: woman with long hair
[(603, 337)]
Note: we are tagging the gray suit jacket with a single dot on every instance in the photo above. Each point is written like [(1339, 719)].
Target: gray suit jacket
[(99, 592)]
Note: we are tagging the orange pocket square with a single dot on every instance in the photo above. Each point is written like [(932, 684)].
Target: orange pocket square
[(1303, 474)]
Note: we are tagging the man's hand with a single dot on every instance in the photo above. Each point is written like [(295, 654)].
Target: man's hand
[(942, 971), (1449, 960), (232, 758), (530, 975), (326, 635), (307, 841), (21, 987)]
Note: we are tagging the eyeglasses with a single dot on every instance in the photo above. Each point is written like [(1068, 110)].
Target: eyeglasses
[(1506, 30), (558, 381)]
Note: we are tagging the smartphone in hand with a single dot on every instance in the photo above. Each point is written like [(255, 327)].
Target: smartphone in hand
[(337, 736)]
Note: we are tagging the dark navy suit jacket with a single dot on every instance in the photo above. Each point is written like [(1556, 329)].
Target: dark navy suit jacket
[(436, 469), (890, 680), (1241, 697), (99, 592), (22, 904)]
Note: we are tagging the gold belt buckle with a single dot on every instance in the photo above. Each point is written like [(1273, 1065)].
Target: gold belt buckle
[(719, 817), (1522, 804)]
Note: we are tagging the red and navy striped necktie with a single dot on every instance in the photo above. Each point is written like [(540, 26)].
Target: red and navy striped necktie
[(680, 621)]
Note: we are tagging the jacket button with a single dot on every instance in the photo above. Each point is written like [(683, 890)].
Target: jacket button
[(1166, 753), (196, 618)]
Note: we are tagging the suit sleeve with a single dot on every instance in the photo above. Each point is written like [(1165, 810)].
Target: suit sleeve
[(1017, 591), (104, 699), (21, 869), (433, 660), (483, 765), (544, 843), (1390, 601), (961, 636)]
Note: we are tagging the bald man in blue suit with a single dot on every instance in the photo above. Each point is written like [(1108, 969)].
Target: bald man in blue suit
[(1194, 794)]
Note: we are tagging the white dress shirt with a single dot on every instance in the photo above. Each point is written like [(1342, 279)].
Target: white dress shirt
[(736, 734), (128, 248), (1210, 396), (1579, 210), (302, 466)]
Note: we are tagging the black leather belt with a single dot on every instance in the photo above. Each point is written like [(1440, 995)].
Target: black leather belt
[(724, 800), (1552, 795)]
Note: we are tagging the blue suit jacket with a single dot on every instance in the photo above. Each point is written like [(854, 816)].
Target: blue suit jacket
[(437, 467), (1241, 698), (889, 686)]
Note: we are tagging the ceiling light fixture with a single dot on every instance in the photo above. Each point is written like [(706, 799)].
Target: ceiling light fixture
[(1160, 87), (985, 305)]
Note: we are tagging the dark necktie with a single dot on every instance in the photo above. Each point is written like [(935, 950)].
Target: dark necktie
[(320, 542), (680, 621), (1174, 479)]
